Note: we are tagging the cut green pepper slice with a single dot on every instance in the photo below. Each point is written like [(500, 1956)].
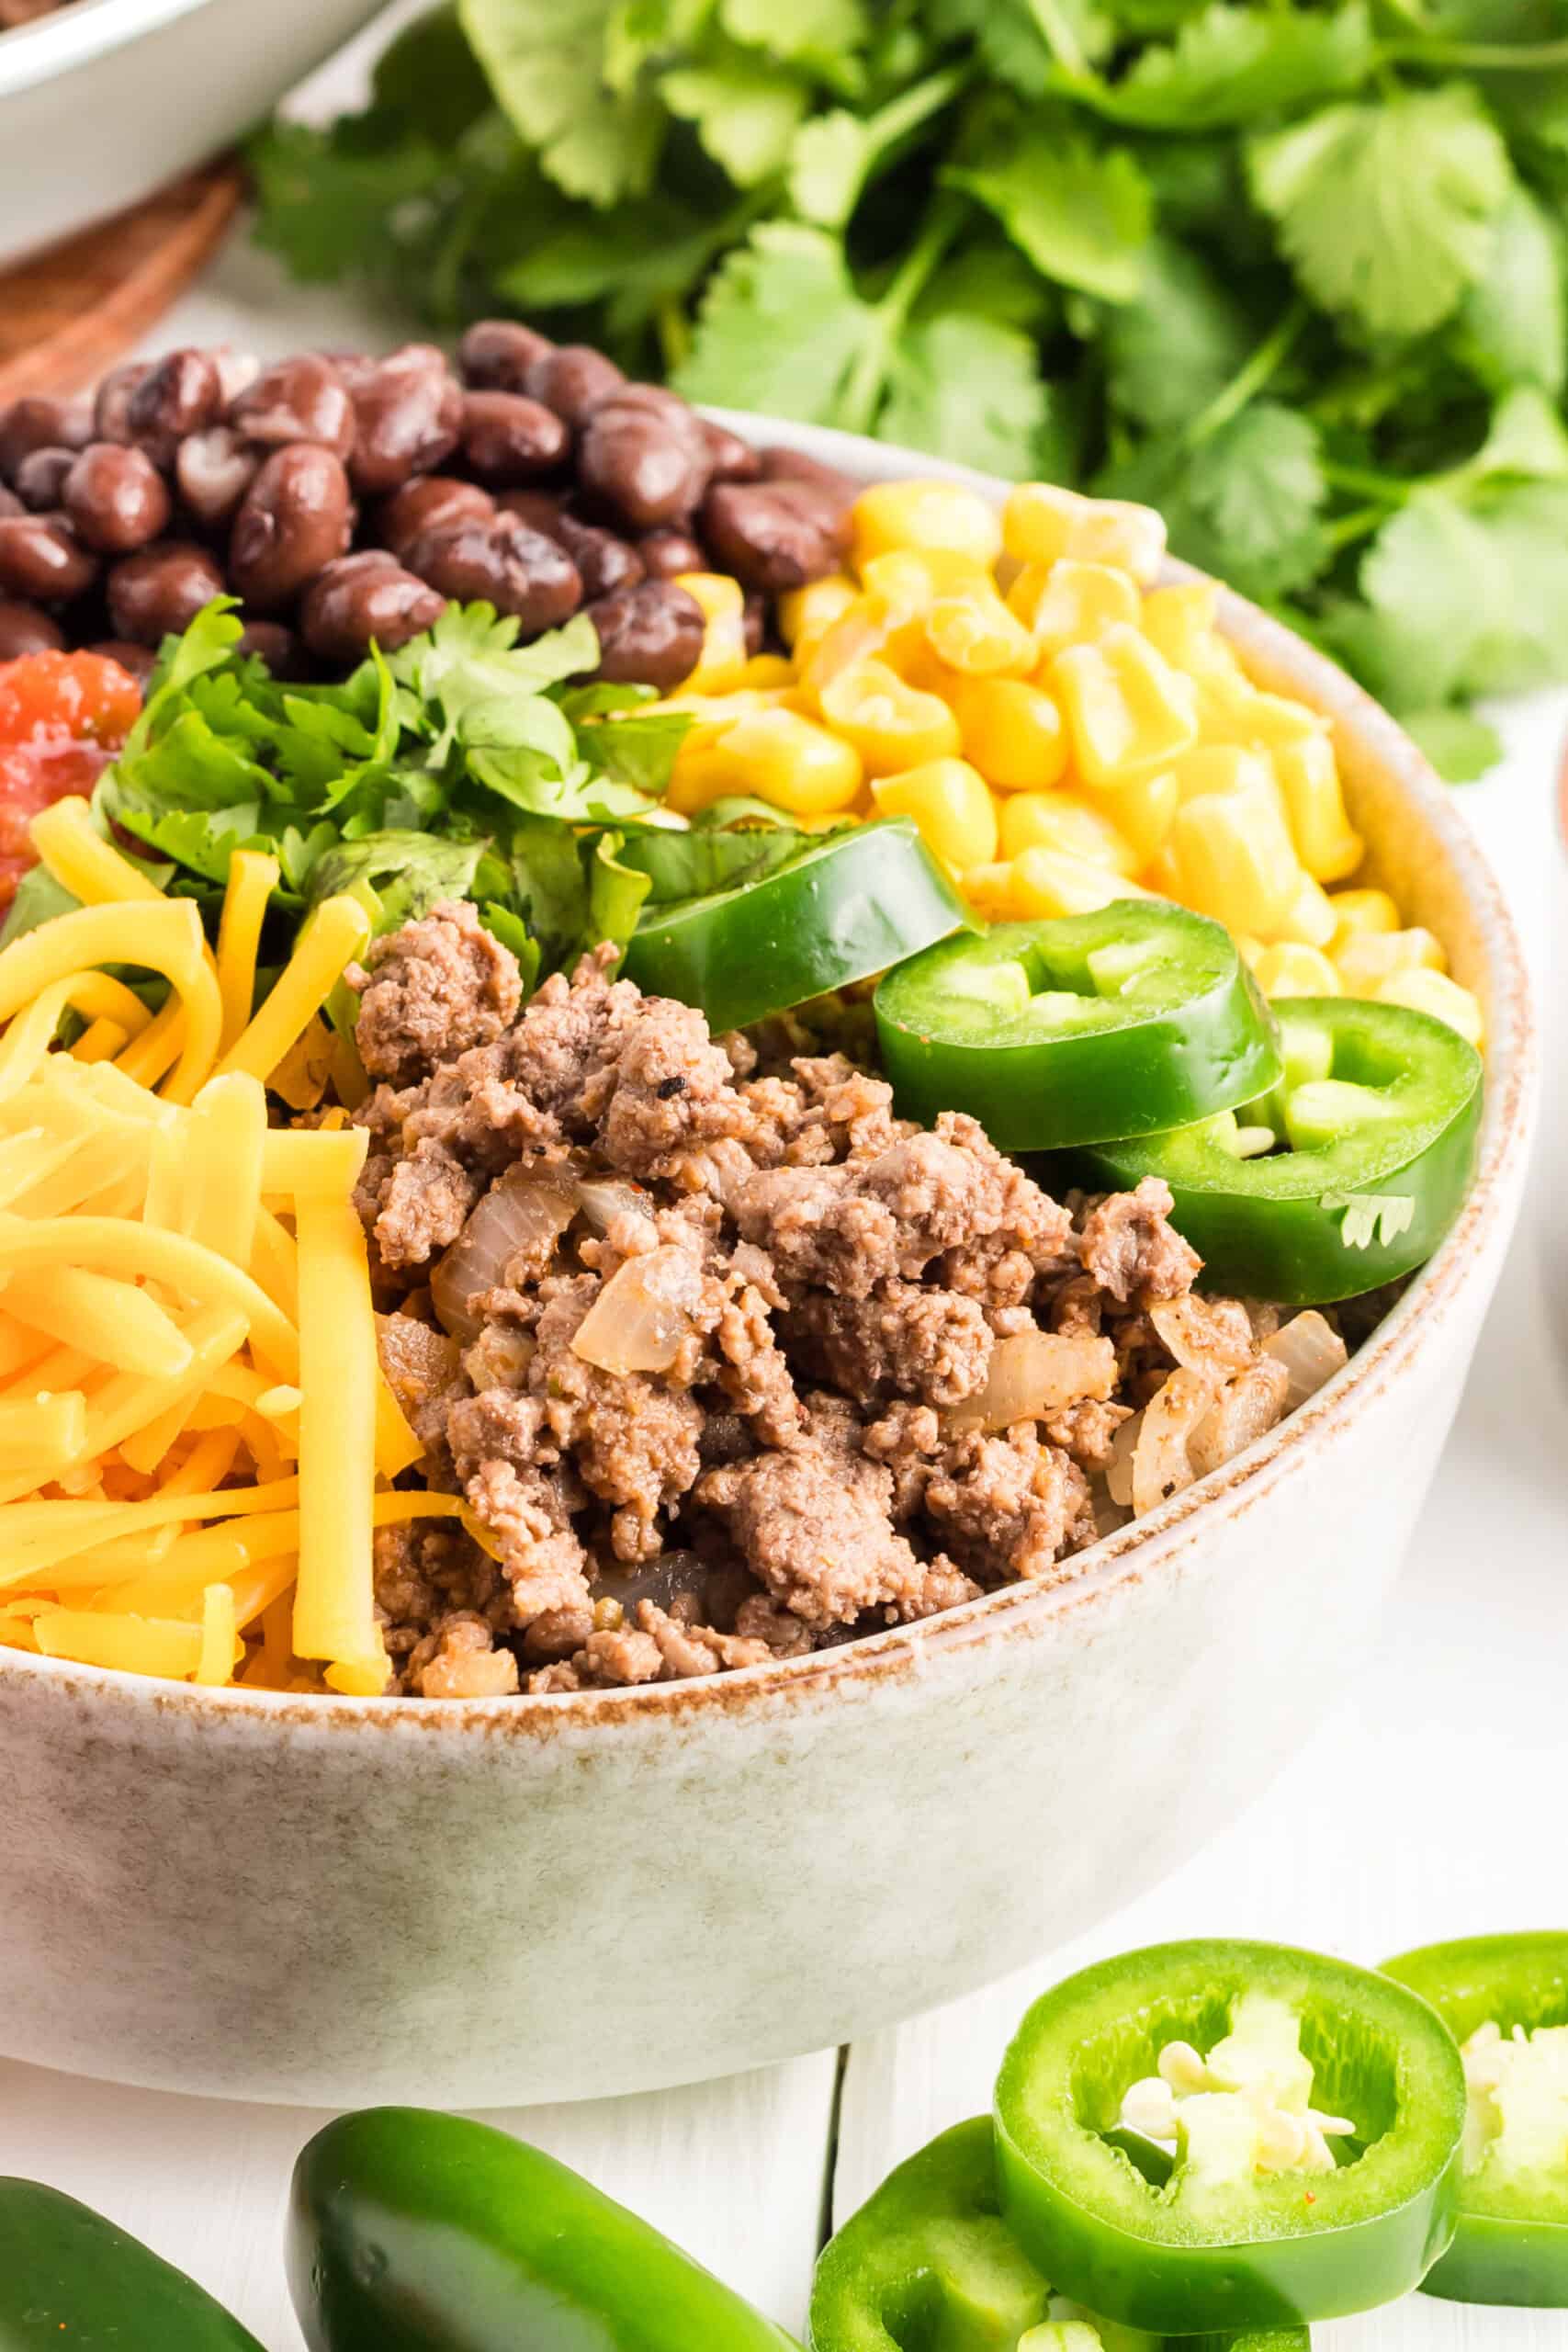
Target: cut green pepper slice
[(415, 2231), (858, 901), (1139, 1017), (928, 2264), (1511, 2244), (1223, 2243), (69, 2277), (1376, 1119)]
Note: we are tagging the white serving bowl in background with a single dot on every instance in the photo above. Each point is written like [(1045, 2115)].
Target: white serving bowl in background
[(333, 1901), (105, 100)]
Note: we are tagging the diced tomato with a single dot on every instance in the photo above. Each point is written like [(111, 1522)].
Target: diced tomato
[(62, 718)]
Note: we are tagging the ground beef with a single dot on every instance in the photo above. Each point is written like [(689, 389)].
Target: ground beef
[(793, 1451)]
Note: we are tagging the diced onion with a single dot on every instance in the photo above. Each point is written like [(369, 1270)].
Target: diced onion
[(1244, 1407), (1160, 1462), (524, 1214), (1311, 1351), (603, 1199), (643, 1312), (1033, 1372), (1209, 1336)]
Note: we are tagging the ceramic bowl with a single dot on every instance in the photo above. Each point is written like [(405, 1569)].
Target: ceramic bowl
[(104, 100), (336, 1901)]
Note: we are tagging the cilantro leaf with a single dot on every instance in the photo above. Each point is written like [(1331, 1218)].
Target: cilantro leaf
[(1081, 215), (398, 877), (547, 76), (692, 864), (1461, 747), (1386, 208), (1233, 64), (746, 112), (1023, 42), (1177, 344), (1245, 504), (1372, 1217), (780, 326), (808, 32), (965, 388), (325, 196), (1513, 326), (1462, 599), (827, 167)]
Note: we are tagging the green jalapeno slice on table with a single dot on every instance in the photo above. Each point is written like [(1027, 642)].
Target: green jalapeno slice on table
[(415, 2232), (1308, 2116), (1504, 1999), (928, 2264), (68, 2276), (1347, 1174), (1139, 1017), (849, 906)]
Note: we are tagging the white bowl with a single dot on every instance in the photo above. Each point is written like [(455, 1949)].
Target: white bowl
[(103, 101), (496, 1902)]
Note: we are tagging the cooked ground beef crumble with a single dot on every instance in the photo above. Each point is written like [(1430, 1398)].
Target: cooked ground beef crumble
[(724, 1357)]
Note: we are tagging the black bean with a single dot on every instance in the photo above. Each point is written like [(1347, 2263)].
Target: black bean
[(542, 510), (181, 393), (572, 380), (297, 400), (423, 505), (496, 354), (666, 554), (40, 477), (276, 646), (237, 371), (362, 598), (515, 568), (161, 589), (508, 439), (27, 628), (729, 458), (138, 662), (111, 409), (213, 470), (407, 414), (773, 535), (651, 468), (116, 497), (604, 561), (33, 423), (10, 502), (754, 620), (42, 559), (651, 634), (789, 465), (295, 517)]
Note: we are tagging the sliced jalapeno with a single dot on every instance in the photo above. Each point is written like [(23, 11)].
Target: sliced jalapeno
[(1364, 1153), (1138, 1017), (852, 905), (1505, 2000)]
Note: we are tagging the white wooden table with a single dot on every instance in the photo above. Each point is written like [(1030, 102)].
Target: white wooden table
[(1430, 1806)]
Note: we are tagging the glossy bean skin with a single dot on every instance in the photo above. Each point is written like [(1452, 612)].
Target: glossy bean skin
[(729, 458), (182, 393), (40, 477), (27, 628), (496, 354), (509, 439), (296, 517), (773, 535), (407, 414), (116, 498), (650, 633), (515, 568), (754, 620), (160, 590), (42, 560), (572, 380), (303, 398), (790, 464), (213, 470), (278, 646), (111, 407), (542, 510), (428, 503), (647, 464), (604, 562), (666, 554), (362, 598), (10, 502), (33, 423), (138, 662)]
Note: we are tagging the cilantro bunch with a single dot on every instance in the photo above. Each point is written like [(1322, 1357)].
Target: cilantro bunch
[(1290, 269)]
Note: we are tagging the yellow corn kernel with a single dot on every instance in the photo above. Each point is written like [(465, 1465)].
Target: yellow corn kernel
[(891, 725), (1326, 843), (870, 629), (790, 762), (769, 671), (1308, 921), (977, 635), (924, 514), (1042, 523), (988, 889), (1251, 951), (1434, 992), (1232, 858), (1221, 767), (1143, 812), (913, 578), (1128, 712), (1368, 957), (1047, 883), (1180, 620), (921, 666), (1057, 820), (949, 802), (1071, 603), (808, 611), (1012, 732), (723, 663), (1359, 911), (1289, 969)]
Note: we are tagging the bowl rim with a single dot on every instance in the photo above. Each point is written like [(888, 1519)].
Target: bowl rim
[(79, 34), (908, 1653)]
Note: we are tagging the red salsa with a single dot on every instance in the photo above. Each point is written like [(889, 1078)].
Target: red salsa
[(62, 718)]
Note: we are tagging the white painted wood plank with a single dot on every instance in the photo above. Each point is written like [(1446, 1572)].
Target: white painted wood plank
[(732, 2170)]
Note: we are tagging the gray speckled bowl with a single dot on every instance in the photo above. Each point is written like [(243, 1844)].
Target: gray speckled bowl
[(334, 1899)]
